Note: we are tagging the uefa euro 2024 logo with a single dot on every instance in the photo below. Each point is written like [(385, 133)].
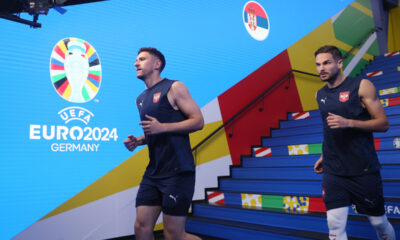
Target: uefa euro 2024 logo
[(75, 70), (75, 73)]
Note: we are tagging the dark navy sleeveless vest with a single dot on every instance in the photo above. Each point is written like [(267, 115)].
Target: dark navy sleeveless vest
[(348, 151), (170, 153)]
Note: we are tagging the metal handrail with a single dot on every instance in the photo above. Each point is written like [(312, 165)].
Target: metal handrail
[(358, 44), (251, 103)]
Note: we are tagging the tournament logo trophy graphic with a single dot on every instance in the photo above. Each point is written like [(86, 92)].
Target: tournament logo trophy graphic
[(75, 70)]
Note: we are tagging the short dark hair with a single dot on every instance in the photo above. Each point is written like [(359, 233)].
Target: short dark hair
[(330, 49), (154, 52)]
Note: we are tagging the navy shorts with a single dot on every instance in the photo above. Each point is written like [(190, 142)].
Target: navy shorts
[(364, 192), (174, 194)]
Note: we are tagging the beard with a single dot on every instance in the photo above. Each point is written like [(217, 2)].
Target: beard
[(333, 77)]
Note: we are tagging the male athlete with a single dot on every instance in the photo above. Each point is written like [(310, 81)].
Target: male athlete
[(168, 114), (350, 112)]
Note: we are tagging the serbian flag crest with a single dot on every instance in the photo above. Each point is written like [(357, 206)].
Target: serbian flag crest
[(255, 20)]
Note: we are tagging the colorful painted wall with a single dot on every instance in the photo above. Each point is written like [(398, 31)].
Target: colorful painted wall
[(394, 26), (64, 170)]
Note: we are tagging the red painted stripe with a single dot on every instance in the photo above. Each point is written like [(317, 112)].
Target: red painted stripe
[(377, 143), (56, 67), (59, 51), (249, 124), (299, 115), (95, 77), (261, 150), (269, 154), (316, 205), (391, 54), (221, 202), (62, 88), (373, 73), (214, 194), (394, 101)]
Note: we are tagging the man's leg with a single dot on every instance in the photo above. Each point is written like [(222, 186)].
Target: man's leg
[(337, 219), (174, 228), (146, 217), (383, 228)]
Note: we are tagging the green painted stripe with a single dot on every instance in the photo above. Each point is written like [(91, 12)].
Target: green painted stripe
[(85, 94), (315, 148), (346, 24), (374, 49), (98, 73), (272, 201), (359, 67), (56, 78)]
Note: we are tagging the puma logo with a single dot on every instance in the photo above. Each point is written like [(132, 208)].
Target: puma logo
[(173, 198), (323, 100), (369, 201)]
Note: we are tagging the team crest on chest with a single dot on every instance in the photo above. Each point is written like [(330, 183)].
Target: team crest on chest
[(156, 97), (344, 96)]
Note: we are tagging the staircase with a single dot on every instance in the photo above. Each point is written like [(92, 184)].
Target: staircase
[(275, 193)]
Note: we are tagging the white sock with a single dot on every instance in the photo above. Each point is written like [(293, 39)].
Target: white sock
[(383, 228), (337, 219)]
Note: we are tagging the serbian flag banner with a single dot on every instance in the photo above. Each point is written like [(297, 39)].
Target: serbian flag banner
[(255, 20)]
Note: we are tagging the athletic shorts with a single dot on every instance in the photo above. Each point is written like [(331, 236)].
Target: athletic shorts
[(173, 194), (363, 192)]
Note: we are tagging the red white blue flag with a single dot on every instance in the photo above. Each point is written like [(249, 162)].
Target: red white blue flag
[(255, 20)]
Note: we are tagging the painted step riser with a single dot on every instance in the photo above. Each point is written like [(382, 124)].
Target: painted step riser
[(286, 203), (282, 143), (385, 157), (300, 222), (295, 187), (394, 60), (389, 66), (385, 83), (315, 114), (382, 58), (388, 172), (392, 114), (386, 69), (317, 128), (231, 232)]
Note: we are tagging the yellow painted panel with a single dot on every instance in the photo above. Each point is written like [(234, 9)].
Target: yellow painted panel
[(362, 9), (301, 55), (214, 148), (159, 227), (393, 29), (129, 173)]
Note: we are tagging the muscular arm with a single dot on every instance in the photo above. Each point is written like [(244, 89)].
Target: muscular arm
[(180, 98), (369, 99)]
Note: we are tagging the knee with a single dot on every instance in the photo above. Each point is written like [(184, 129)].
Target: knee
[(172, 234), (378, 223), (141, 227), (335, 223)]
